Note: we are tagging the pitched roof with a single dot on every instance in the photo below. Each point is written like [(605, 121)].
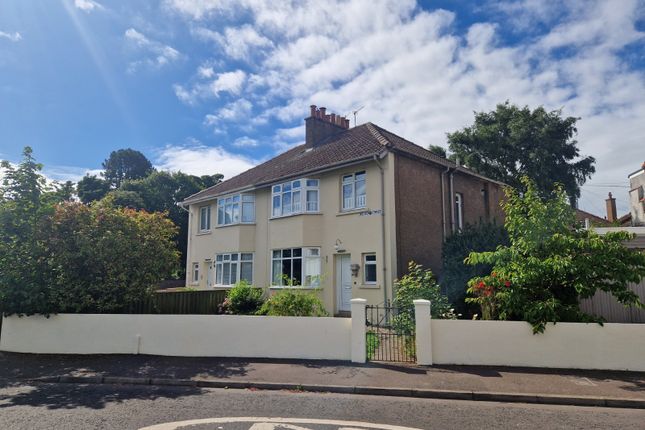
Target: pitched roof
[(349, 146), (582, 215)]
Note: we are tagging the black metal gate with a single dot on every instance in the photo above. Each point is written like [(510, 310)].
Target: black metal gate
[(389, 335)]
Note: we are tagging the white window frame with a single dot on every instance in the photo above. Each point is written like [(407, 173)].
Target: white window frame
[(230, 258), (369, 263), (459, 211), (307, 255), (303, 187), (354, 201), (205, 227), (195, 273), (236, 203)]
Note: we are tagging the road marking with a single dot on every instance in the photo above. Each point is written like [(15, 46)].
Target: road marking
[(265, 423)]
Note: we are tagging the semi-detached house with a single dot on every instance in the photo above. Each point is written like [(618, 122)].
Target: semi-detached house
[(344, 213)]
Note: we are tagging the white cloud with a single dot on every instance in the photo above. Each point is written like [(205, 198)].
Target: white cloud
[(156, 53), (13, 37), (417, 74), (88, 5), (228, 82), (245, 142), (196, 158)]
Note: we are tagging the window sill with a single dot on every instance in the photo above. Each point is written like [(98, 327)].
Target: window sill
[(299, 287), (352, 211), (203, 233), (234, 225), (369, 286), (292, 215)]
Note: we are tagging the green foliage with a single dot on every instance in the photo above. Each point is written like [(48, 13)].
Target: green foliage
[(372, 343), (552, 263), (91, 188), (243, 299), (511, 142), (125, 164), (294, 302), (456, 274), (438, 150), (69, 257), (418, 283)]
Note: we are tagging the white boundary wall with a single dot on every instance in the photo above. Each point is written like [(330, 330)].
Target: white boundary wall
[(180, 335), (563, 345)]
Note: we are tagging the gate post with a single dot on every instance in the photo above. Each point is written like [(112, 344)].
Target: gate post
[(358, 331), (423, 320)]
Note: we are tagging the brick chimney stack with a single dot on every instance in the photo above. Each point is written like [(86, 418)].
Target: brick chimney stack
[(612, 213), (320, 125)]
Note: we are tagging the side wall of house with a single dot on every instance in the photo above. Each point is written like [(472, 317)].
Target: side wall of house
[(421, 228)]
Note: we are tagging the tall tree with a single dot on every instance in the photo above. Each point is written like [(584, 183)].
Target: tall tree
[(438, 150), (511, 142), (125, 164), (92, 188)]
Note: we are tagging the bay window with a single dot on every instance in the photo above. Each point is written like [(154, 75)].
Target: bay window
[(233, 267), (296, 267), (294, 197), (236, 209), (354, 191)]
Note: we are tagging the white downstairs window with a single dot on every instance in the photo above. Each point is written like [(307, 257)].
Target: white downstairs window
[(229, 268), (369, 269), (296, 267), (459, 211), (195, 273)]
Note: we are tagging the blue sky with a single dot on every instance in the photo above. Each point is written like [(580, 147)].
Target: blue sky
[(210, 86)]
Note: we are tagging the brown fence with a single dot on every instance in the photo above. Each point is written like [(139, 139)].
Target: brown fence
[(605, 305), (182, 302)]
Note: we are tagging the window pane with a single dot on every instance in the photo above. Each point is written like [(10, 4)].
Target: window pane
[(246, 272), (233, 273), (219, 257), (286, 187), (228, 214), (296, 201), (348, 196), (229, 201), (312, 200), (286, 253), (236, 213), (360, 194), (277, 272), (248, 212), (277, 253), (370, 258), (360, 176), (297, 252), (218, 275), (348, 178), (312, 271), (226, 273), (276, 188), (296, 184), (234, 257), (227, 257), (246, 257), (276, 206), (286, 270), (286, 203), (370, 273), (297, 271), (312, 182), (236, 199), (220, 215)]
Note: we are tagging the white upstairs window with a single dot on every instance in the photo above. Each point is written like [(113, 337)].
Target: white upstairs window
[(294, 197), (236, 209), (204, 218), (354, 191)]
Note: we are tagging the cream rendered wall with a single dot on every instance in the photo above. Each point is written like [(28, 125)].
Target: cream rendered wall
[(358, 233)]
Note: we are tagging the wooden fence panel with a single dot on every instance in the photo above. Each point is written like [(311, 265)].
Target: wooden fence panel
[(182, 302), (605, 305)]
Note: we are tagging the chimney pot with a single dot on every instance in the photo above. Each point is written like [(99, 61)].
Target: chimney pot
[(322, 112), (346, 123), (333, 118), (313, 110), (612, 213)]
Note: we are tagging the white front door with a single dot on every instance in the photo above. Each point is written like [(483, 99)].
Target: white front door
[(343, 282), (209, 274)]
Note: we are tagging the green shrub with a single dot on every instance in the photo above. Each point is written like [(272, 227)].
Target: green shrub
[(243, 299), (418, 284), (294, 303), (456, 274)]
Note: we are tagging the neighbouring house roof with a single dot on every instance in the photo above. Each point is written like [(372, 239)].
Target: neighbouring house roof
[(625, 220), (357, 144), (595, 219)]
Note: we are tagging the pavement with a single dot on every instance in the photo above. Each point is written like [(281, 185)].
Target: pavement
[(503, 384)]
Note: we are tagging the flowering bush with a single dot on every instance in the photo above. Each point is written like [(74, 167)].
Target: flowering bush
[(485, 290), (242, 299)]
